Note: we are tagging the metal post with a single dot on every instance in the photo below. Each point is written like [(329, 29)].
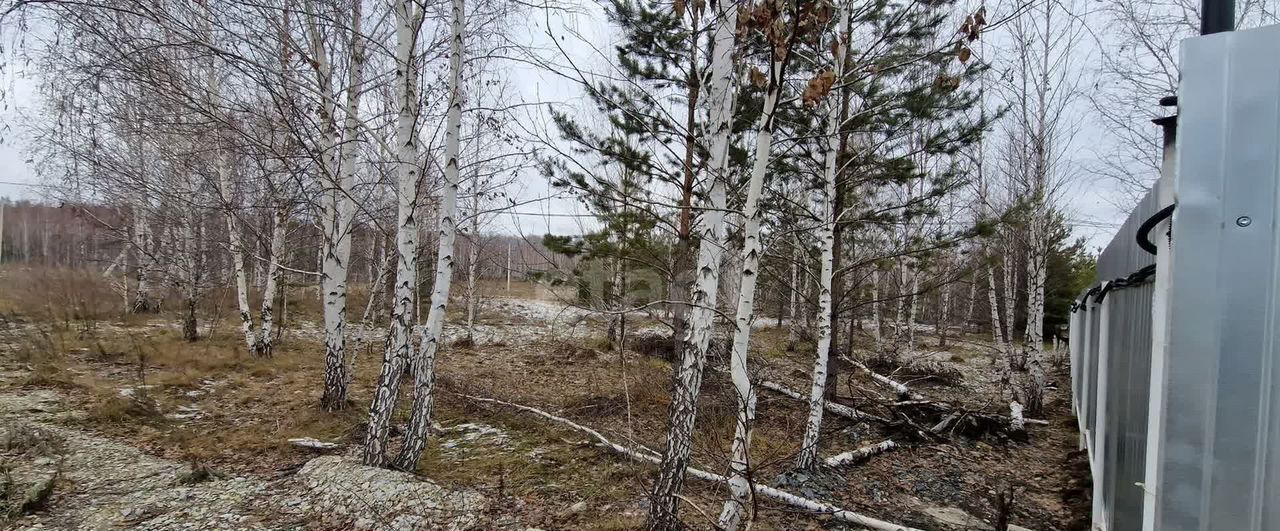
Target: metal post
[(1159, 330), (1217, 16)]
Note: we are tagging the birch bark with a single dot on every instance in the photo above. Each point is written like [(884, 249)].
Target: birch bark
[(340, 214), (687, 377), (399, 347), (739, 484), (793, 326), (279, 221), (223, 166), (424, 363), (808, 456)]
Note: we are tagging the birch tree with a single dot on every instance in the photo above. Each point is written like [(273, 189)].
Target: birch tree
[(1044, 86), (399, 348), (779, 52), (338, 175), (687, 375), (808, 455), (424, 361)]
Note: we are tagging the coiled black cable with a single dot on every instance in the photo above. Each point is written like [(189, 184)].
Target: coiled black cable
[(1144, 230), (1135, 278)]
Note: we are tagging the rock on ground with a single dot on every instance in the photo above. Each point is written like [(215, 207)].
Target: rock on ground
[(384, 499), (104, 484)]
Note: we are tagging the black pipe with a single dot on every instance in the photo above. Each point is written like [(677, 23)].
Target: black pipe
[(1217, 16), (1144, 230)]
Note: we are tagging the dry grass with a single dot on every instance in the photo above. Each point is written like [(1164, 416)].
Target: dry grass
[(246, 408)]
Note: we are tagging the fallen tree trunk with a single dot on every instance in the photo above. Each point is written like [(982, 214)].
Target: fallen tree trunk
[(1017, 424), (854, 456), (834, 408), (911, 398), (640, 453), (898, 387), (314, 444)]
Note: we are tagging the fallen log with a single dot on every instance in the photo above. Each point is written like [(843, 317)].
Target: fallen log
[(640, 453), (854, 456), (945, 422), (314, 444), (1017, 425), (898, 387), (834, 408)]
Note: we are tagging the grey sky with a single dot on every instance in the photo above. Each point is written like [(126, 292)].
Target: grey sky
[(584, 37)]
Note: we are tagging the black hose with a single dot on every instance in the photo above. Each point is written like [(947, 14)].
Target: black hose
[(1144, 230)]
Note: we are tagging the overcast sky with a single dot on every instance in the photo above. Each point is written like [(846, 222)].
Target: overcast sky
[(1087, 200)]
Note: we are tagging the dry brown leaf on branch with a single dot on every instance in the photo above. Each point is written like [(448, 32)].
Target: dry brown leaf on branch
[(818, 87), (680, 6), (963, 53), (757, 77), (947, 82)]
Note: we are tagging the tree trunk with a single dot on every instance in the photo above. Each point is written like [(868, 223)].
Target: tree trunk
[(1035, 317), (1010, 281), (415, 440), (279, 219), (340, 210), (943, 311), (194, 263), (395, 356), (877, 336), (687, 376), (739, 484), (682, 273), (913, 306), (793, 313), (142, 302), (808, 456), (226, 190)]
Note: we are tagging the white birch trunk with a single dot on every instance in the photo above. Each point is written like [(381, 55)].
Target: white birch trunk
[(877, 336), (739, 484), (1010, 281), (1036, 272), (808, 456), (971, 303), (831, 407), (793, 313), (279, 219), (424, 363), (997, 330), (235, 242), (193, 265), (944, 316), (473, 258), (223, 165), (912, 307), (687, 377), (142, 302), (395, 356), (340, 211), (900, 305), (854, 456)]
